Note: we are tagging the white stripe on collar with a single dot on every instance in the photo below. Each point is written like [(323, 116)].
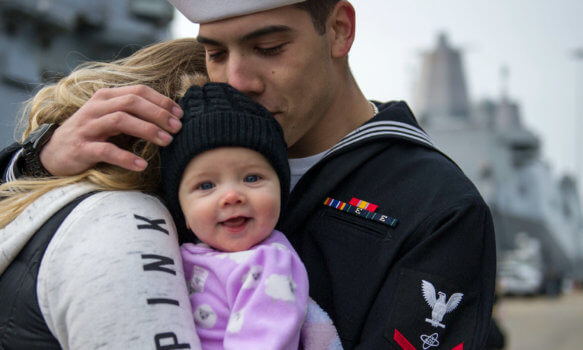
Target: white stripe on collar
[(9, 176), (389, 128)]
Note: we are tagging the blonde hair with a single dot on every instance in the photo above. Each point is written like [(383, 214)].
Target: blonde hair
[(168, 67)]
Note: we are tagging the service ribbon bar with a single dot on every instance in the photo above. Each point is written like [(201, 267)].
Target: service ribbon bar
[(363, 204), (363, 213)]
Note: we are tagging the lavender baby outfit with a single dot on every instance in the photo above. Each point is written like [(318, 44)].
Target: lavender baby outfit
[(253, 299)]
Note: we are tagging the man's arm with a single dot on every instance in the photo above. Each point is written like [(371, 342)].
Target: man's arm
[(84, 139), (441, 290)]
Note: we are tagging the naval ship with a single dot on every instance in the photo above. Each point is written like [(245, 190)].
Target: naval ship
[(42, 40), (538, 219)]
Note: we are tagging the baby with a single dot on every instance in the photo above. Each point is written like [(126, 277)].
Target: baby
[(226, 181)]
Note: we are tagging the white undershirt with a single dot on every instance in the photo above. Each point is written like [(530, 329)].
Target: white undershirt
[(299, 166)]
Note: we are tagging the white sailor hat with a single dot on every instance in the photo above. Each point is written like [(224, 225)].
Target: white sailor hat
[(203, 11)]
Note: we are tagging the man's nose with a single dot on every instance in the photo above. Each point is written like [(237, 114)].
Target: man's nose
[(244, 75)]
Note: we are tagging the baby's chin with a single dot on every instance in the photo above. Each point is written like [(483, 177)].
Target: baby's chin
[(243, 243)]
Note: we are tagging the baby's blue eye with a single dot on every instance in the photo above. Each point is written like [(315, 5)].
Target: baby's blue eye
[(206, 186), (251, 178)]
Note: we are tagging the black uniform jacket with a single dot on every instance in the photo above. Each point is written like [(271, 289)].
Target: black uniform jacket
[(415, 272), (398, 243)]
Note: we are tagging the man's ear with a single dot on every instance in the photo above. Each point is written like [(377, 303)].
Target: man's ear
[(341, 25)]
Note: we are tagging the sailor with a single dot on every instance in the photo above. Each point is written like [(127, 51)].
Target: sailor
[(398, 243)]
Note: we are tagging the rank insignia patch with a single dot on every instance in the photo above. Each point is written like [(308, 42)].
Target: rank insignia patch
[(429, 341), (362, 209), (439, 304), (430, 313)]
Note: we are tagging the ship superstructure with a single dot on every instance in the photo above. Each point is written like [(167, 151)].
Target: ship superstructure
[(42, 40), (538, 219)]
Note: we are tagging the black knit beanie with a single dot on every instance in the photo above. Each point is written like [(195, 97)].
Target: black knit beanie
[(217, 115)]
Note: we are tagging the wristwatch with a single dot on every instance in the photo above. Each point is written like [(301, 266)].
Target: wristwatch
[(29, 163)]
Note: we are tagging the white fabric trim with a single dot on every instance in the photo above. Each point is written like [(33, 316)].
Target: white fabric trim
[(382, 128), (203, 11), (300, 166), (10, 171)]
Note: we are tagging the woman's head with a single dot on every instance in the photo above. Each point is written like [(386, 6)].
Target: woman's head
[(163, 66), (168, 67)]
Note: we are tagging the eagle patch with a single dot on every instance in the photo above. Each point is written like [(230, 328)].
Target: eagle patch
[(439, 303), (428, 312)]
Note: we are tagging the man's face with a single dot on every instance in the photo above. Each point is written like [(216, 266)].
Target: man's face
[(279, 59)]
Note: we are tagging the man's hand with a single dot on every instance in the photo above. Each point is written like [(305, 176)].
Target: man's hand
[(82, 140)]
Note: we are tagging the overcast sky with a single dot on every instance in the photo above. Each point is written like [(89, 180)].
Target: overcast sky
[(535, 39)]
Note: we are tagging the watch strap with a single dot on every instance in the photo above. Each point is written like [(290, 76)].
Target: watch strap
[(29, 162)]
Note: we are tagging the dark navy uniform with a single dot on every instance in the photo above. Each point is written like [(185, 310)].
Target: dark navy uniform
[(398, 243)]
